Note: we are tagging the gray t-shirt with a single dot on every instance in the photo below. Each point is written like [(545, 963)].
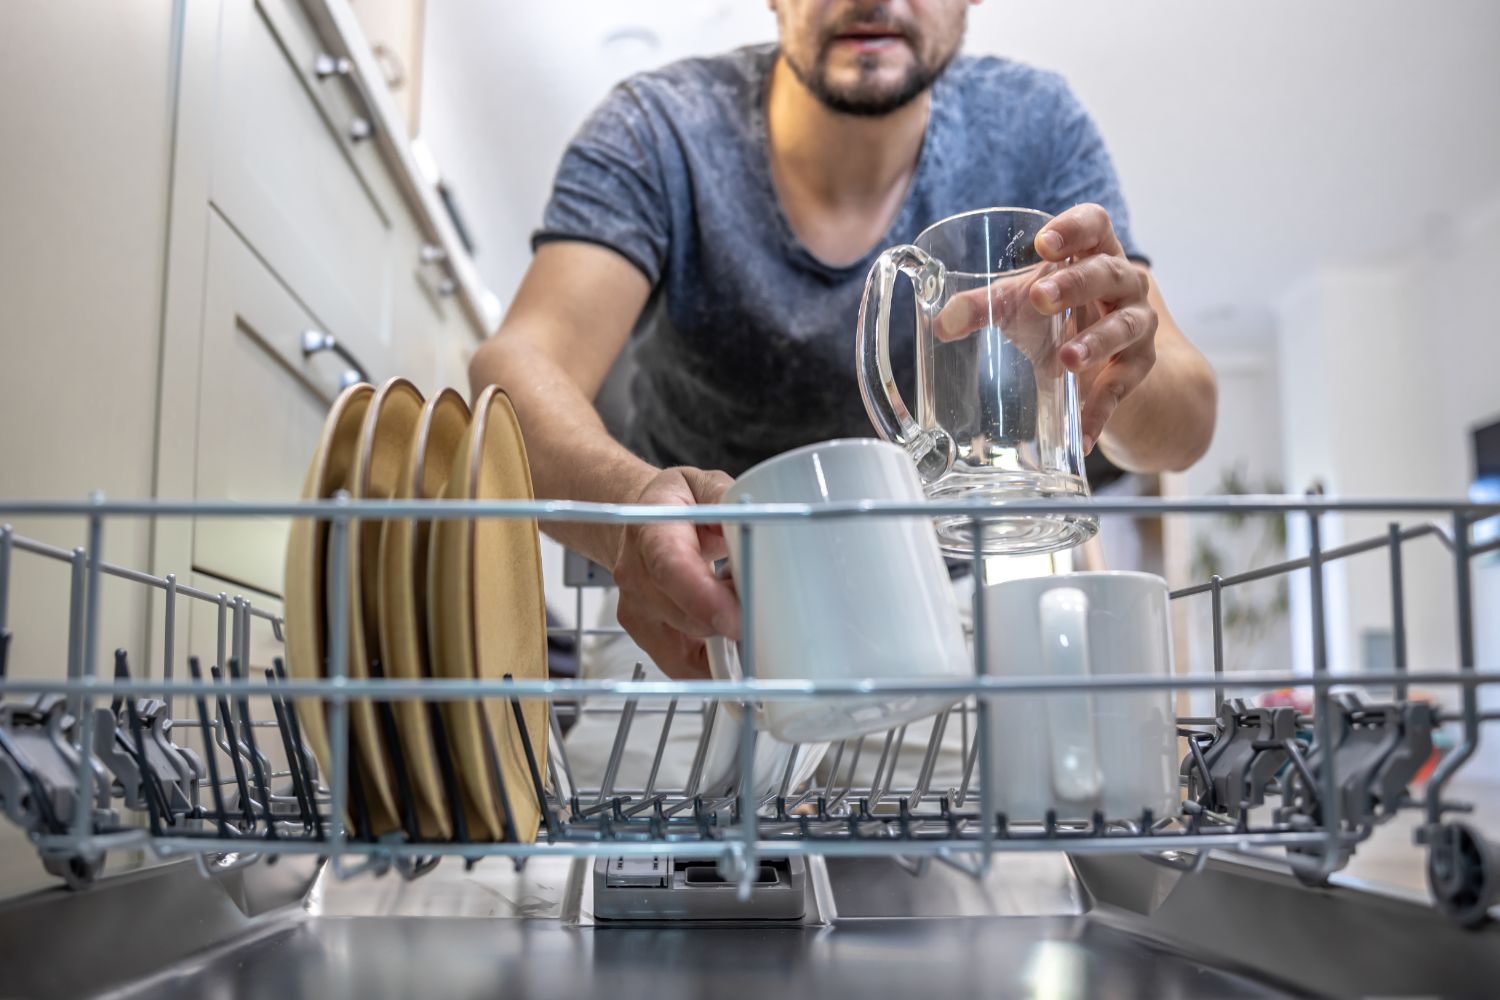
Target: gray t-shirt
[(746, 348)]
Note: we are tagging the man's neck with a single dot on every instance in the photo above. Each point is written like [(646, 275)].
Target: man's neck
[(826, 163), (842, 158)]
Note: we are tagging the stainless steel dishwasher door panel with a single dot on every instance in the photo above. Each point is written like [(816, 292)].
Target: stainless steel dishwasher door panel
[(361, 958), (1029, 885)]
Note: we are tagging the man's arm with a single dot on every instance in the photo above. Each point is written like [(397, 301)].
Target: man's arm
[(570, 320), (1167, 423), (568, 324)]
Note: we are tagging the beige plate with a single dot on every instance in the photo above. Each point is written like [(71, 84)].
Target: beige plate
[(487, 617), (386, 440), (331, 470), (403, 597)]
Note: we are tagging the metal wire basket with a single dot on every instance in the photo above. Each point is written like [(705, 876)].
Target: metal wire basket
[(254, 790)]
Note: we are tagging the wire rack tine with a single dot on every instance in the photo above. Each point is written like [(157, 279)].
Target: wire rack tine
[(661, 747), (982, 735), (934, 744), (695, 774), (622, 734), (838, 798), (337, 669), (83, 809)]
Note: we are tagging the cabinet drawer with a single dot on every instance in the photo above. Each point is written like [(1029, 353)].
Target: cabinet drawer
[(284, 171), (260, 409)]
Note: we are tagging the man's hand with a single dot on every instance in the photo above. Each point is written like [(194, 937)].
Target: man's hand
[(1112, 345), (1111, 341), (670, 600)]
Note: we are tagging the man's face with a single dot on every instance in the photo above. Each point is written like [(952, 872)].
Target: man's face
[(869, 58)]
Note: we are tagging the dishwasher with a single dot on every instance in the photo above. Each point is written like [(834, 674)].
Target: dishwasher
[(198, 849)]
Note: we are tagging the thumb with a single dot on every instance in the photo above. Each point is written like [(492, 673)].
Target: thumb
[(708, 485)]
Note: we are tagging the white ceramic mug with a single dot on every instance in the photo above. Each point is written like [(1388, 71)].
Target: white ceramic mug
[(1077, 753), (846, 598)]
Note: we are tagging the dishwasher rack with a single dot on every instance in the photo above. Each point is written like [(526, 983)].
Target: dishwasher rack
[(1308, 785)]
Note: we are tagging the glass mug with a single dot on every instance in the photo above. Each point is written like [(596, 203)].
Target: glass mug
[(997, 413)]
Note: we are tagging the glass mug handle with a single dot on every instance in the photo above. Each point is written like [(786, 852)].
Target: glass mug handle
[(931, 449), (1064, 616)]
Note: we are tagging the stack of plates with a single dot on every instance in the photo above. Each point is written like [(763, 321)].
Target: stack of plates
[(451, 598)]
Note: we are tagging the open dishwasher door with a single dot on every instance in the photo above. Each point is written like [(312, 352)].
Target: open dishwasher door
[(870, 928)]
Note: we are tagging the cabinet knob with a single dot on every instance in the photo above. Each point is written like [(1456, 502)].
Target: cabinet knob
[(326, 65), (316, 342)]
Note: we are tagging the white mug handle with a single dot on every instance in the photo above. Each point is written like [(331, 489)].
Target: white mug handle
[(724, 661), (1063, 613)]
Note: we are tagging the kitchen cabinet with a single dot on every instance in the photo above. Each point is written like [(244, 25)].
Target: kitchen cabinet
[(192, 187), (296, 209)]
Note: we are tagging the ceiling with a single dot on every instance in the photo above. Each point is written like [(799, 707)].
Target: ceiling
[(1255, 141)]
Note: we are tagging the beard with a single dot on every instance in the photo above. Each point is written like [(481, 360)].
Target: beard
[(868, 97)]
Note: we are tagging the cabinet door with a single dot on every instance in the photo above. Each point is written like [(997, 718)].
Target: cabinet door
[(287, 178), (260, 410)]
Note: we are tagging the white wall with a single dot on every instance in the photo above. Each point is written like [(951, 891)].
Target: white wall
[(1386, 369), (1361, 404)]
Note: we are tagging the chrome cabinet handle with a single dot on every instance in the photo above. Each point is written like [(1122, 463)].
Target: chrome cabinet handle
[(436, 257), (316, 342), (325, 66)]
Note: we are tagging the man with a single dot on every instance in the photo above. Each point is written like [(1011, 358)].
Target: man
[(738, 202)]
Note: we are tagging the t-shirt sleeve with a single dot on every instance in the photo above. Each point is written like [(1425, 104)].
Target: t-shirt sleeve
[(1081, 171), (610, 189)]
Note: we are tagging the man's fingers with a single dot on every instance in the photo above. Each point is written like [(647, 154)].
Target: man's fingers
[(1099, 278), (1081, 230), (708, 485), (1113, 384), (1114, 333), (1002, 303), (711, 542), (645, 604), (679, 657), (678, 568), (960, 316)]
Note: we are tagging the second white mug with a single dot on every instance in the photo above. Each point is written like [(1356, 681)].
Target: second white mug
[(1083, 752)]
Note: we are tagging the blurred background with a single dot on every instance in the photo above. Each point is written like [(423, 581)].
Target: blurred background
[(1318, 186)]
